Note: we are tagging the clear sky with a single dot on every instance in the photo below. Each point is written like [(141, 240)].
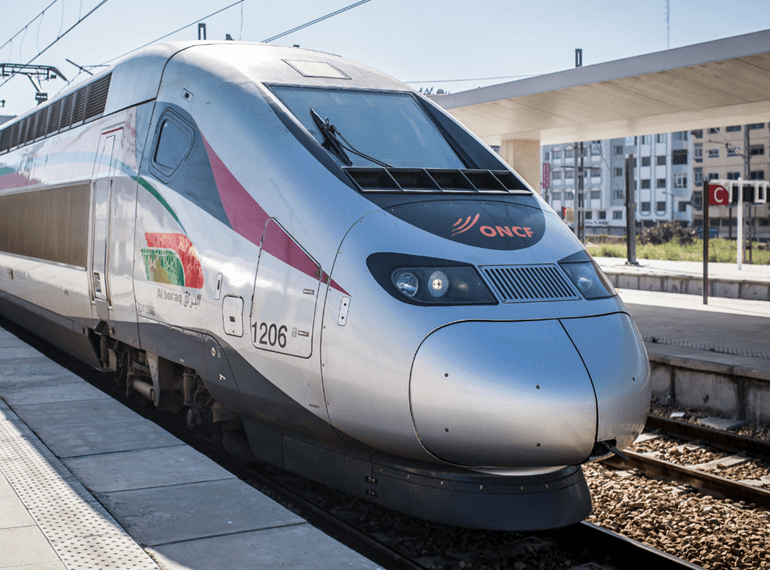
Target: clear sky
[(423, 42)]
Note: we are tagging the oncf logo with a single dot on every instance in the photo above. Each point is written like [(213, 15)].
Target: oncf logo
[(461, 226)]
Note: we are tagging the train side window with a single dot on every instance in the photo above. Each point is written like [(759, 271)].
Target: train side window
[(174, 142)]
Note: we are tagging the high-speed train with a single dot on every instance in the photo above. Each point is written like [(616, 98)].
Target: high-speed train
[(315, 261)]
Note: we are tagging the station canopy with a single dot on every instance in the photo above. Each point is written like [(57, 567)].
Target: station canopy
[(722, 82)]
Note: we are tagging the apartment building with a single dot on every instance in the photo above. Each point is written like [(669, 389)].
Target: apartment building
[(668, 177)]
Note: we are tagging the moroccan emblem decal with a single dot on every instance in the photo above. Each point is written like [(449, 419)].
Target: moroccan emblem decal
[(171, 258)]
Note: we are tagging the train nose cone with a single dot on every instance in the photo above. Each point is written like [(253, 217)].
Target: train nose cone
[(503, 394), (614, 353)]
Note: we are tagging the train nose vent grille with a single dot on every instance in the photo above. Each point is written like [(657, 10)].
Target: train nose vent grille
[(528, 283)]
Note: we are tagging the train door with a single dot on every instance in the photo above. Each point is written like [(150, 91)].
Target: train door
[(101, 197), (285, 294)]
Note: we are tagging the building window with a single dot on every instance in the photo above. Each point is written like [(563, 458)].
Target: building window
[(645, 161), (569, 173), (732, 151), (569, 153), (680, 180), (698, 175), (733, 129), (680, 136), (602, 214), (618, 171), (645, 207), (660, 160), (697, 134), (556, 196), (556, 175), (617, 215), (733, 175), (661, 138), (713, 175), (596, 148), (557, 155), (596, 195), (757, 175), (660, 206), (646, 139), (547, 156), (645, 184), (682, 206), (713, 130), (589, 214), (754, 126), (679, 157), (713, 153), (697, 152), (617, 194), (617, 149), (569, 196), (660, 183), (756, 149)]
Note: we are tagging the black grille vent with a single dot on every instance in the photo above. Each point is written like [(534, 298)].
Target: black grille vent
[(431, 180), (97, 97), (66, 111), (15, 135), (24, 134), (55, 115), (42, 118), (80, 105), (528, 283), (5, 139)]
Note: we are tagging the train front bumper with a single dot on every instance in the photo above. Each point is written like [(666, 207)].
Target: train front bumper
[(519, 394)]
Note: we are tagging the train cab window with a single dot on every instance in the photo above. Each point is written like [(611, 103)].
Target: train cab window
[(174, 142), (394, 129)]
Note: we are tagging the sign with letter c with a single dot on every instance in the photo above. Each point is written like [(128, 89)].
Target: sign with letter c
[(718, 195)]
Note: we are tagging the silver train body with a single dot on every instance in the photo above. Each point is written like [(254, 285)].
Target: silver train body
[(316, 258)]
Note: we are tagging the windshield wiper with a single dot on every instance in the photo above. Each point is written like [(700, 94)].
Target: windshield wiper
[(330, 134)]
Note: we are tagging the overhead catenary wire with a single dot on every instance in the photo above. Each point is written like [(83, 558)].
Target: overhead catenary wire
[(68, 30), (321, 19), (24, 28), (473, 79)]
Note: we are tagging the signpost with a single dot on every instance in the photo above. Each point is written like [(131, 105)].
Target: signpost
[(717, 195)]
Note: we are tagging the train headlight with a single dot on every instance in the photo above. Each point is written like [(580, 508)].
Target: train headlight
[(438, 284), (407, 283), (589, 279), (422, 280)]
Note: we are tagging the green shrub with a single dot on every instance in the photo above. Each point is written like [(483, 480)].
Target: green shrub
[(720, 250)]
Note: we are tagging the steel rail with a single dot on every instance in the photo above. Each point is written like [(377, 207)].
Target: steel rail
[(716, 438), (620, 548), (653, 467)]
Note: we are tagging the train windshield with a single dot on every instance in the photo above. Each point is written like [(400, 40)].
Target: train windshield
[(391, 128)]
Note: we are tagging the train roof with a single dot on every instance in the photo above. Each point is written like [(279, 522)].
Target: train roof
[(136, 78)]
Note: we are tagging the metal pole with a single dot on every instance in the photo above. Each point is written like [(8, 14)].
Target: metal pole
[(581, 200), (706, 242), (739, 253), (630, 211)]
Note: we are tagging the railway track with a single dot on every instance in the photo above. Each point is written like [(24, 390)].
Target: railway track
[(393, 540), (696, 475)]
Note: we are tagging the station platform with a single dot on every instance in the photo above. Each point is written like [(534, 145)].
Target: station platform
[(87, 483), (751, 282), (714, 357)]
